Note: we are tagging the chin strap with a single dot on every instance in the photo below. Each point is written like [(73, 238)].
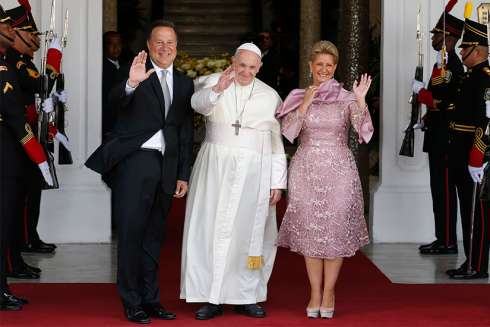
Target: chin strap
[(7, 37), (23, 40), (469, 53)]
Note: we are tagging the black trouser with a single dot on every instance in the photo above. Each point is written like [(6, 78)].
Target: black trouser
[(140, 208), (11, 191), (458, 173), (444, 203), (25, 225)]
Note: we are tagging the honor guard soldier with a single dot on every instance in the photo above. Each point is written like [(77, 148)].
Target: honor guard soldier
[(439, 98), (466, 150), (16, 140), (20, 58)]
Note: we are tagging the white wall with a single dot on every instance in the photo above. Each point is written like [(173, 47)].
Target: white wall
[(79, 211), (402, 208)]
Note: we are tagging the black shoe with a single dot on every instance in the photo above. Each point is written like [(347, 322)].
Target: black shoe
[(8, 305), (14, 299), (51, 245), (426, 246), (469, 275), (137, 315), (459, 270), (251, 310), (23, 273), (158, 312), (209, 311), (32, 268), (437, 248), (39, 247)]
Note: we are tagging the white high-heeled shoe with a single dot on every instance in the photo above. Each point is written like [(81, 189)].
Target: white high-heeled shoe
[(312, 312), (327, 313)]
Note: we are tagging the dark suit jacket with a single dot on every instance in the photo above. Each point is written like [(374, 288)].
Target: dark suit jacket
[(109, 80), (140, 116)]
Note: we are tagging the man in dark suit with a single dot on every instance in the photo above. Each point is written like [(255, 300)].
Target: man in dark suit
[(146, 160), (110, 68), (271, 60)]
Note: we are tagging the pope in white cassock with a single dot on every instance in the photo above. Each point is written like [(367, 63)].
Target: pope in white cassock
[(230, 224)]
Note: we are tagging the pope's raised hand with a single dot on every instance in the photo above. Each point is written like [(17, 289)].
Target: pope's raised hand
[(137, 72), (225, 80)]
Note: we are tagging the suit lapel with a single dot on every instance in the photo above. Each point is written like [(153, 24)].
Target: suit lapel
[(157, 88)]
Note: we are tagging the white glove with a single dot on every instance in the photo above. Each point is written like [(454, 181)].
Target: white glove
[(487, 104), (44, 167), (63, 140), (47, 105), (476, 173), (439, 59), (417, 86), (62, 97), (420, 125)]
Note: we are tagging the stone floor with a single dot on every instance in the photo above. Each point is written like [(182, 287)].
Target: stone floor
[(95, 263)]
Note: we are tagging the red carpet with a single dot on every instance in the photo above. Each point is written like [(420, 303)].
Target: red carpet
[(364, 297)]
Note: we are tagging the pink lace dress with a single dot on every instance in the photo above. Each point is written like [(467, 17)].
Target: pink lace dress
[(325, 215)]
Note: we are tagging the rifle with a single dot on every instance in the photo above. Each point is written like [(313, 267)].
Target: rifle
[(64, 155), (407, 148), (46, 118)]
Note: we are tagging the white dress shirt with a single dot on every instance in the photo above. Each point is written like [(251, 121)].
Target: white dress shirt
[(114, 62), (157, 141)]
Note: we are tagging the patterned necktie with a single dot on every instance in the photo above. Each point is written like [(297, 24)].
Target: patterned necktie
[(166, 91)]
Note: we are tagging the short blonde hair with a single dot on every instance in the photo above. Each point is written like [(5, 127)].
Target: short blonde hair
[(324, 47)]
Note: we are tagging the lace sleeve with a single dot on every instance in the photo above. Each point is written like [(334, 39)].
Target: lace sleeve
[(361, 122), (291, 125)]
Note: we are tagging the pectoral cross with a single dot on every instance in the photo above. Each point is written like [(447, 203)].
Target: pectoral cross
[(237, 126)]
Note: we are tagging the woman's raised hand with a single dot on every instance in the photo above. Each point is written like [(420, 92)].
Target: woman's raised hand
[(310, 92), (361, 88)]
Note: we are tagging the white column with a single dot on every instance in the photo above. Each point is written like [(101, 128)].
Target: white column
[(80, 210), (402, 207)]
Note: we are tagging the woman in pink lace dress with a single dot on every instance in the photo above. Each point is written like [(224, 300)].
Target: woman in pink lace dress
[(324, 220)]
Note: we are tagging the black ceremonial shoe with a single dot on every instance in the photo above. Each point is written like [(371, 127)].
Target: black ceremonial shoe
[(459, 270), (23, 273), (469, 275), (137, 315), (8, 305), (439, 249), (251, 310), (39, 247), (158, 312), (51, 245), (14, 299), (426, 246), (209, 311), (32, 268)]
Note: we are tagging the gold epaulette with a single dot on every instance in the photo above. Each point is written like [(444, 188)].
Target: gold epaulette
[(487, 70), (3, 69), (462, 128), (1, 119)]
